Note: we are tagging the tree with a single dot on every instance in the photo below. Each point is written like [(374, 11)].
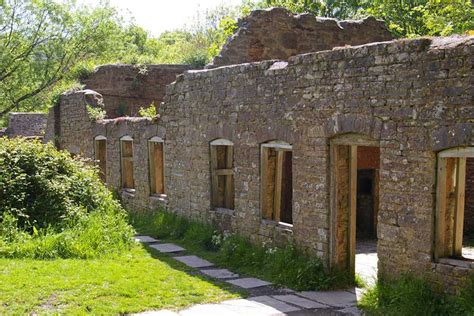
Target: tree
[(42, 41)]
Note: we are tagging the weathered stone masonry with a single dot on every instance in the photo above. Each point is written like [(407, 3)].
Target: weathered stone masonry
[(409, 99), (413, 97)]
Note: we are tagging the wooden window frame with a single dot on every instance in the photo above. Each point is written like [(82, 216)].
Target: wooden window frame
[(228, 173), (122, 160), (444, 248), (96, 139), (151, 171), (280, 147)]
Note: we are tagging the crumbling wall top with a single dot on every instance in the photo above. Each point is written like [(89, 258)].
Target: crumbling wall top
[(276, 33)]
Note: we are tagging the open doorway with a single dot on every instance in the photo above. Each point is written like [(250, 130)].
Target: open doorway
[(355, 164)]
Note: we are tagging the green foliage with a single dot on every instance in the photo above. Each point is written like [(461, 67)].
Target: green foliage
[(341, 9), (96, 113), (52, 205), (411, 295), (286, 266), (405, 18), (149, 111)]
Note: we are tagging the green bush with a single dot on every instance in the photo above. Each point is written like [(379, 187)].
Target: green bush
[(286, 266), (52, 205)]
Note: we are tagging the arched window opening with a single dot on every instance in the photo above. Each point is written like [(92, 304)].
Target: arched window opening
[(277, 182), (222, 174)]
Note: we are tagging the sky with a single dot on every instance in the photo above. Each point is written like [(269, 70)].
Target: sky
[(157, 16)]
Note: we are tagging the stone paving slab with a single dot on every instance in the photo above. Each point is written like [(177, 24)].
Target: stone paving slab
[(248, 283), (167, 248), (332, 298), (276, 304), (220, 273), (145, 239), (236, 307), (163, 312), (299, 301), (194, 261)]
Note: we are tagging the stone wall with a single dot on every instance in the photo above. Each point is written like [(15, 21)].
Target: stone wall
[(413, 97), (127, 88), (26, 124), (71, 128), (278, 34)]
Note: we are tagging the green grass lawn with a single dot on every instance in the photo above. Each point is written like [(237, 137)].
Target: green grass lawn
[(133, 282)]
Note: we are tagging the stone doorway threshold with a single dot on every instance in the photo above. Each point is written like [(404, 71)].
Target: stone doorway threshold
[(366, 260)]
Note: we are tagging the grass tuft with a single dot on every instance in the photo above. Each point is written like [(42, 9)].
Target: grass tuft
[(411, 295)]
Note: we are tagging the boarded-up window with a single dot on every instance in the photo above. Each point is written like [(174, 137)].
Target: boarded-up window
[(450, 201), (277, 182), (156, 161), (222, 174), (100, 146), (128, 181)]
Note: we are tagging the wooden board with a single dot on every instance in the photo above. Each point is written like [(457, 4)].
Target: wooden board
[(460, 201), (101, 157), (127, 165), (352, 208)]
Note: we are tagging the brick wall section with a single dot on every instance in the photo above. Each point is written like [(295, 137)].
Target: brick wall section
[(126, 88), (413, 96), (26, 124), (278, 34)]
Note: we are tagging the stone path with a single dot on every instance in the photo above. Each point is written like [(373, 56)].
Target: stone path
[(265, 298)]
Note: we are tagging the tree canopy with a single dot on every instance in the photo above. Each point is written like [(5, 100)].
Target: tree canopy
[(47, 45)]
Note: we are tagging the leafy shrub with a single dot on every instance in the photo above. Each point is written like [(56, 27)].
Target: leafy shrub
[(52, 205), (287, 266), (149, 111), (96, 113)]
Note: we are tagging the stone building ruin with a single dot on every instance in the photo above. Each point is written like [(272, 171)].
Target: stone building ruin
[(321, 148)]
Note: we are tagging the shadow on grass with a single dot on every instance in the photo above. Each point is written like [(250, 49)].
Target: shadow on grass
[(194, 272)]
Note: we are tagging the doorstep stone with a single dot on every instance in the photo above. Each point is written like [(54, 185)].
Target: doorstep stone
[(220, 273), (332, 298), (299, 301), (248, 283), (145, 239), (235, 307), (194, 261), (276, 304), (167, 248)]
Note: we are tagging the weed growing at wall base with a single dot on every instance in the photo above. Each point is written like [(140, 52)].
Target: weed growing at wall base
[(410, 295), (285, 266)]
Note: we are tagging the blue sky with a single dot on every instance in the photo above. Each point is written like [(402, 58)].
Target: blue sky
[(157, 16)]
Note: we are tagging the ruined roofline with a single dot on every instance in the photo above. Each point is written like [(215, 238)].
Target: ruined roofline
[(277, 33), (421, 44), (342, 24)]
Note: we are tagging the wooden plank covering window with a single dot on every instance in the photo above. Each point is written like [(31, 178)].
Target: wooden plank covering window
[(222, 174), (156, 164), (450, 201), (100, 146), (128, 181), (277, 186)]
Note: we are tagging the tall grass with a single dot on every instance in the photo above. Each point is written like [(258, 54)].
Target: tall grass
[(410, 295), (286, 266), (96, 235)]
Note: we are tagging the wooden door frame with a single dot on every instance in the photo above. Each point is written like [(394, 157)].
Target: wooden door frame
[(353, 141)]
